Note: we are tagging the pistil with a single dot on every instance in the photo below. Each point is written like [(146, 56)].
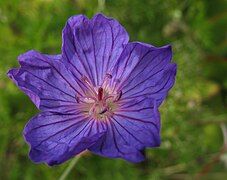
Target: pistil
[(100, 94), (99, 102)]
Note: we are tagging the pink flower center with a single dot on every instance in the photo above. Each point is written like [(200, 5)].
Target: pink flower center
[(99, 102)]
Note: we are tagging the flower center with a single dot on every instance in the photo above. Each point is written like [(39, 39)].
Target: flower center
[(99, 102)]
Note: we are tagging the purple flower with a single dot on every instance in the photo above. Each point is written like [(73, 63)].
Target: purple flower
[(101, 94)]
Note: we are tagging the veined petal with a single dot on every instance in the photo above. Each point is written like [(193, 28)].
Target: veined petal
[(114, 145), (92, 47), (56, 137), (144, 70), (132, 128), (46, 81)]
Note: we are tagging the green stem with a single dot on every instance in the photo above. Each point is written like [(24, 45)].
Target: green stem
[(101, 5), (69, 168)]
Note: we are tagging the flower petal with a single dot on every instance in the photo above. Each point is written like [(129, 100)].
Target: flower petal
[(46, 81), (56, 137), (144, 70), (114, 145), (92, 47), (132, 128)]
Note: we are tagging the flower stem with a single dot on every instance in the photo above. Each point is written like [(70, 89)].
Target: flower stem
[(101, 5), (69, 168)]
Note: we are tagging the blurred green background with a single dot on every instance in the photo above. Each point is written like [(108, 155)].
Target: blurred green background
[(194, 116)]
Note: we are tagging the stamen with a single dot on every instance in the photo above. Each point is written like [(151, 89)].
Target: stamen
[(88, 84), (103, 111), (109, 76), (87, 99), (92, 110), (118, 96), (98, 102), (106, 80)]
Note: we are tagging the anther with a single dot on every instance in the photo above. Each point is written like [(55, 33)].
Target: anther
[(108, 75), (118, 96), (85, 79), (106, 80), (103, 111)]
